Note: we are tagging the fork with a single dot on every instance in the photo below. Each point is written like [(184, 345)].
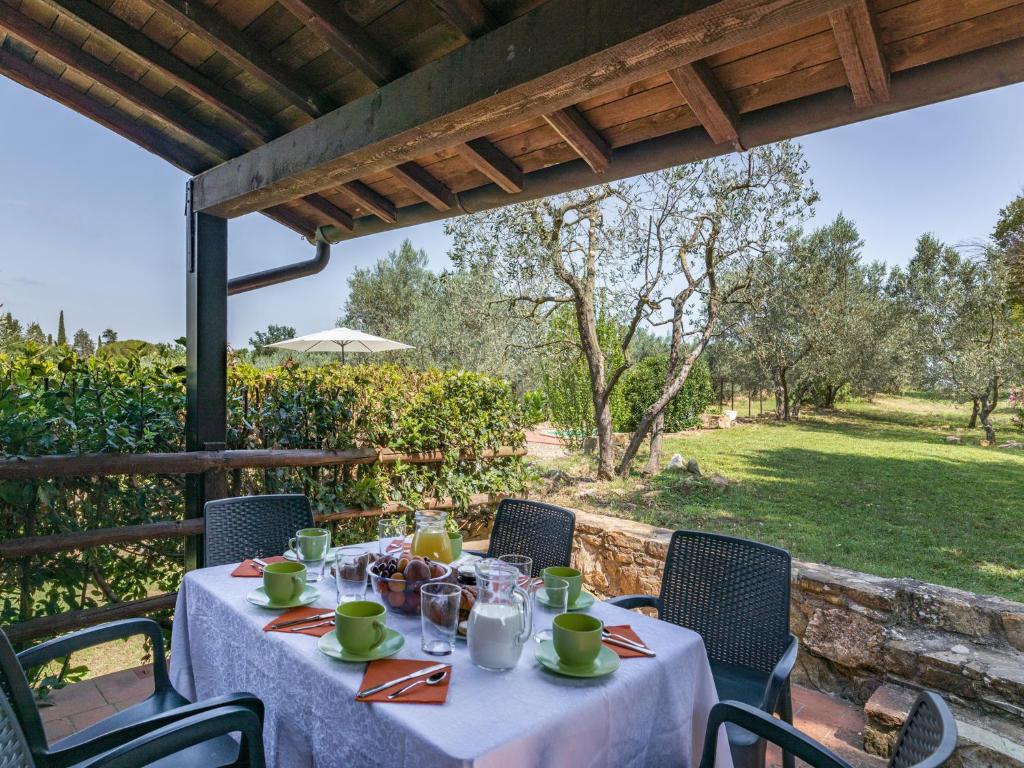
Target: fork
[(303, 627)]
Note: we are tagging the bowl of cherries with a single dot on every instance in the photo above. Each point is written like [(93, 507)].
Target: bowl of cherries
[(397, 580)]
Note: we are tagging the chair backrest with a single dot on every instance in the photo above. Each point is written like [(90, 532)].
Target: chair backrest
[(733, 592), (928, 736), (252, 526), (21, 729), (540, 531), (14, 752)]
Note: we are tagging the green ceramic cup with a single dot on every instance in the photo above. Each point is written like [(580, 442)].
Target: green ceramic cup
[(571, 575), (456, 539), (577, 638), (360, 625), (284, 582), (310, 543)]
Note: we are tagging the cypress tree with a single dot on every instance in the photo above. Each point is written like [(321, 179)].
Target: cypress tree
[(62, 335)]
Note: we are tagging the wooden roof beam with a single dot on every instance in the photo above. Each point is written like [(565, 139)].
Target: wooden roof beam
[(235, 45), (709, 101), (372, 201), (861, 52), (560, 53), (429, 189), (468, 16), (138, 46), (582, 137), (346, 38), (73, 57), (493, 164)]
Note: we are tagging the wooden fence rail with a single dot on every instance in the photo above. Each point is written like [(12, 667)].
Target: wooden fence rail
[(198, 462), (212, 464), (30, 546)]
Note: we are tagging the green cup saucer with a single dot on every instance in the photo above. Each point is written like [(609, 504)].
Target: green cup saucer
[(258, 597), (584, 601), (606, 662), (329, 646), (289, 554)]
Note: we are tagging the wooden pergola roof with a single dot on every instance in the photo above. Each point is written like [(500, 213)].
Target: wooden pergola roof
[(369, 114)]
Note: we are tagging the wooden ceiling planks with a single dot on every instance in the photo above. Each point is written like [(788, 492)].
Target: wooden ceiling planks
[(163, 77)]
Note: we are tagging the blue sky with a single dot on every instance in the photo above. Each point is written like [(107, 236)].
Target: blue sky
[(93, 225)]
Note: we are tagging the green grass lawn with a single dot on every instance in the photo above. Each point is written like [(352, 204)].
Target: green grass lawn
[(873, 487)]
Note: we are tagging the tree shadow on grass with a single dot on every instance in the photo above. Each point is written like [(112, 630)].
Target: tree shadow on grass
[(948, 521)]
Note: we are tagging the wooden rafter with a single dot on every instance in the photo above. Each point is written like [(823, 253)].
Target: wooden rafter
[(490, 161), (138, 46), (426, 186), (329, 212), (582, 137), (76, 58), (861, 52), (577, 49), (375, 203), (346, 38), (468, 16), (708, 100), (235, 45)]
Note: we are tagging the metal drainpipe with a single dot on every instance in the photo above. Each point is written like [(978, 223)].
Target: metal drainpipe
[(285, 273)]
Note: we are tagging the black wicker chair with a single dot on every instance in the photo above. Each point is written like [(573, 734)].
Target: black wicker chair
[(164, 724), (540, 531), (927, 739), (252, 526), (735, 594)]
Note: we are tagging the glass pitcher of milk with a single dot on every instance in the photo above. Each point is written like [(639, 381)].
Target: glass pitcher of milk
[(501, 619)]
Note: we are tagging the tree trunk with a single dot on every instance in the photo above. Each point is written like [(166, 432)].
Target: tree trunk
[(973, 422), (798, 397), (653, 466), (587, 320), (988, 403), (732, 397)]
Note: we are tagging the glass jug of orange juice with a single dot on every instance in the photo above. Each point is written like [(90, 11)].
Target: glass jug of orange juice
[(431, 538)]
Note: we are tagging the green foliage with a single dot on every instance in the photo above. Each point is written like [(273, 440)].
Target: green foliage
[(83, 344), (643, 384), (62, 334), (453, 319), (128, 348), (52, 402), (566, 378), (261, 340)]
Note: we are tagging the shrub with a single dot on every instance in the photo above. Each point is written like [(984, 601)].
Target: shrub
[(51, 402), (642, 385)]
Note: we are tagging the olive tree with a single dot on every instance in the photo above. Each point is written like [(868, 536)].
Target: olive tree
[(663, 249), (966, 341)]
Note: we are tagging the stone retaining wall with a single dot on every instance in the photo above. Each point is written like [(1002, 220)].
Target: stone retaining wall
[(856, 631)]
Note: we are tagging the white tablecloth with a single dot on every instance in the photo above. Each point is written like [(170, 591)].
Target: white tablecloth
[(651, 712)]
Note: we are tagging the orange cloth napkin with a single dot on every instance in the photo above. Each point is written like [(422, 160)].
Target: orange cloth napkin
[(626, 631), (382, 670), (249, 568), (300, 613)]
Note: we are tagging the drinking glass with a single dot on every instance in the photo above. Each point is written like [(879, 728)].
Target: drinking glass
[(350, 568), (391, 535), (550, 601), (310, 546), (522, 563), (439, 616)]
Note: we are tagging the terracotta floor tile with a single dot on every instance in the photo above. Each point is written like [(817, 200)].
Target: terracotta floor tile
[(93, 716), (57, 729), (73, 699)]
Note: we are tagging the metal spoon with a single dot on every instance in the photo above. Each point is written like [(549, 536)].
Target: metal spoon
[(434, 679)]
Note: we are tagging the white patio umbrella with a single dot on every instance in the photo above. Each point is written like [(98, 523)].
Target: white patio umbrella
[(340, 340)]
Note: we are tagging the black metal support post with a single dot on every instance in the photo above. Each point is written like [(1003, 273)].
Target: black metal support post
[(206, 322)]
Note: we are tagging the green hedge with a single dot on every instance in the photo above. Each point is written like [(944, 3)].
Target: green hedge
[(53, 403)]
